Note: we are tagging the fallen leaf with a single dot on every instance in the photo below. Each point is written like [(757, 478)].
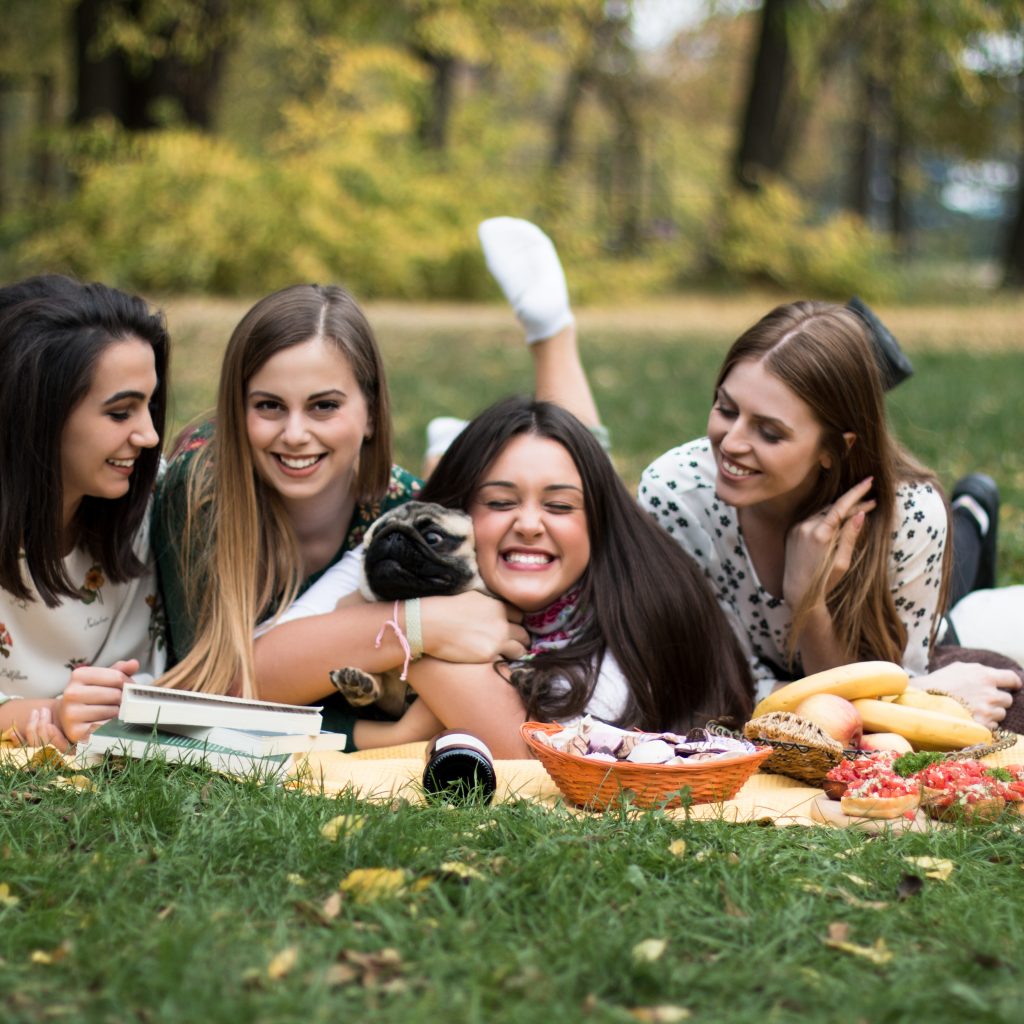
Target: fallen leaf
[(340, 974), (677, 847), (731, 909), (660, 1014), (295, 879), (877, 954), (165, 912), (281, 963), (459, 870), (857, 880), (6, 897), (838, 931), (860, 904), (367, 885), (933, 867), (331, 906), (342, 825), (733, 858), (649, 950), (81, 783), (47, 757), (53, 956)]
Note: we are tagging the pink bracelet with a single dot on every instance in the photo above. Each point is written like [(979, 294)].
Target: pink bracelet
[(393, 623)]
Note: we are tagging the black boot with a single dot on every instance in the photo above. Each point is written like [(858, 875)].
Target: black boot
[(893, 363), (985, 492)]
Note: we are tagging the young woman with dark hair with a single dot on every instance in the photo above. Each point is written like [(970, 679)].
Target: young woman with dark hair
[(824, 540), (83, 386), (622, 624)]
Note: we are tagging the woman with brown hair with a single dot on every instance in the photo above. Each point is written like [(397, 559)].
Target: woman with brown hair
[(622, 624), (257, 503), (824, 540)]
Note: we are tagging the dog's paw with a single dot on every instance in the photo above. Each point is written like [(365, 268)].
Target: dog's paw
[(356, 686)]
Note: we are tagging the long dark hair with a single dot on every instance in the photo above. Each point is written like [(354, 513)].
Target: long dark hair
[(53, 331), (643, 599)]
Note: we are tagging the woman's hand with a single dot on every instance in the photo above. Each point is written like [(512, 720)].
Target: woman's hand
[(987, 691), (92, 697), (39, 731), (471, 628), (810, 541)]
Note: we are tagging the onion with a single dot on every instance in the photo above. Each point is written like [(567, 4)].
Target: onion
[(837, 716), (885, 741)]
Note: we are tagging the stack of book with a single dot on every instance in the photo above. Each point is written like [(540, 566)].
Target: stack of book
[(243, 737)]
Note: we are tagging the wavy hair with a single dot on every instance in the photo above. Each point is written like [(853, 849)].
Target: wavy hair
[(240, 557), (645, 600), (822, 353), (53, 331)]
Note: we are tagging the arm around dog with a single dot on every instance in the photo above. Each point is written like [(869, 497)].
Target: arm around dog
[(293, 659)]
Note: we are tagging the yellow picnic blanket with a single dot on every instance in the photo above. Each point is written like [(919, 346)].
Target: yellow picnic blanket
[(395, 772)]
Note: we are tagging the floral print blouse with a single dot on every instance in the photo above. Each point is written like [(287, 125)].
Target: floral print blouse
[(108, 622), (678, 489)]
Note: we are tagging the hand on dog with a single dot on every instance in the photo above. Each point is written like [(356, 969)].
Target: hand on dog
[(472, 628)]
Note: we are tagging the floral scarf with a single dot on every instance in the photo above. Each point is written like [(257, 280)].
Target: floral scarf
[(554, 627)]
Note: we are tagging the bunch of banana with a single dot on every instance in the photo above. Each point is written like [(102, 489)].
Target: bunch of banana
[(878, 691)]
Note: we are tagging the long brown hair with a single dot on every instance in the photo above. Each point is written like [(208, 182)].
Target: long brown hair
[(240, 556), (822, 354), (643, 599)]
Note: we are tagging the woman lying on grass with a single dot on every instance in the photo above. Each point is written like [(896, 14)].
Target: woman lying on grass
[(824, 539), (254, 509), (83, 388), (621, 623)]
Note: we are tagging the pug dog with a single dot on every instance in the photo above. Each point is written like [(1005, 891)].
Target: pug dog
[(418, 549)]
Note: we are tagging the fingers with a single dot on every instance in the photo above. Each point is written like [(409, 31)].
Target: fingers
[(512, 650), (848, 535), (1006, 679), (519, 635)]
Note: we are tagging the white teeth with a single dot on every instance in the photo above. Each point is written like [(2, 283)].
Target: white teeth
[(122, 463), (731, 467), (521, 558), (303, 463)]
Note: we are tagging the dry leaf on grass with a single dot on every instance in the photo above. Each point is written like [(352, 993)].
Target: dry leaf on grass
[(281, 963), (456, 869), (660, 1014), (380, 969), (7, 898), (367, 885), (933, 867), (677, 847), (649, 950), (295, 879), (53, 956), (342, 825), (838, 938)]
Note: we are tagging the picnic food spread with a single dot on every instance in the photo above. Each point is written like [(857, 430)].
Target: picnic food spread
[(866, 705), (880, 785)]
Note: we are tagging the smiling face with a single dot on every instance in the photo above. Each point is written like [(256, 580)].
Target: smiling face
[(109, 428), (307, 419), (530, 523), (767, 441)]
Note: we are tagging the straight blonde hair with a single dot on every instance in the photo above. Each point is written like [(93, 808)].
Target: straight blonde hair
[(240, 556), (822, 353)]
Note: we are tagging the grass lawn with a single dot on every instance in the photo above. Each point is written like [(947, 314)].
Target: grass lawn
[(154, 894)]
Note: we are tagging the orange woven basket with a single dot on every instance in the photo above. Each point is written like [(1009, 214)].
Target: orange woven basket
[(603, 784)]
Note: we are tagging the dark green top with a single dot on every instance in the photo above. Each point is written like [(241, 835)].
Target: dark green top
[(169, 515)]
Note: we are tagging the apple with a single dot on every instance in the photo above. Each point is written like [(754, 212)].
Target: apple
[(835, 715), (885, 741)]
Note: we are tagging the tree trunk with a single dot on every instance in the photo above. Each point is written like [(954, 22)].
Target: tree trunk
[(1013, 252), (564, 126), (435, 122), (109, 83), (43, 164), (763, 134)]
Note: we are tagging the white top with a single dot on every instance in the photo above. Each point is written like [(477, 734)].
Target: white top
[(611, 690), (110, 622), (678, 489)]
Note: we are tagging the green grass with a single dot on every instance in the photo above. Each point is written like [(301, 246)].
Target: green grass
[(164, 895)]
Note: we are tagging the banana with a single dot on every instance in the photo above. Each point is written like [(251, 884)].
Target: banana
[(926, 730), (861, 679), (912, 698)]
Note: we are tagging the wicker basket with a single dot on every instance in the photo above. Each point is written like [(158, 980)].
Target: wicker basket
[(810, 753), (602, 784)]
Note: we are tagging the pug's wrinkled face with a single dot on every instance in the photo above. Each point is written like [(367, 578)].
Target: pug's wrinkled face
[(419, 550)]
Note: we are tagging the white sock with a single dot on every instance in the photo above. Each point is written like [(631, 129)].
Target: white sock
[(524, 262), (441, 432)]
